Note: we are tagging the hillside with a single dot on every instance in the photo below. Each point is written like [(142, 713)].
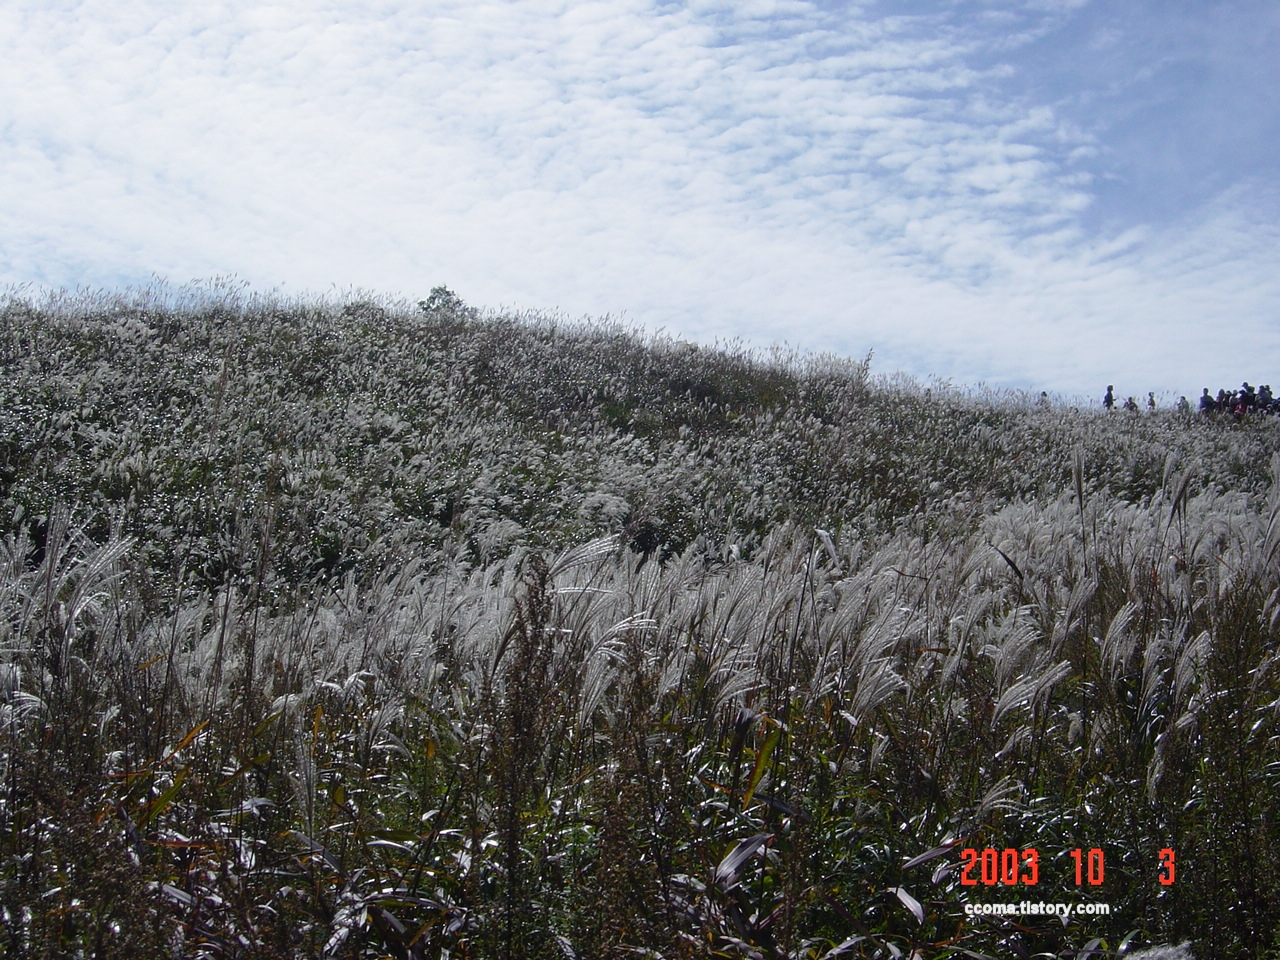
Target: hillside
[(365, 629), (429, 428)]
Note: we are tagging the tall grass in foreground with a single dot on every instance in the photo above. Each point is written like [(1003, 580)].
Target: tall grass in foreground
[(597, 753)]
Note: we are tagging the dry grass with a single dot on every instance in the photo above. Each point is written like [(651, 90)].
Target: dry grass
[(311, 670)]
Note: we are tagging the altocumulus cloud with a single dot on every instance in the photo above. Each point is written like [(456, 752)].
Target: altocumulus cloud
[(998, 191)]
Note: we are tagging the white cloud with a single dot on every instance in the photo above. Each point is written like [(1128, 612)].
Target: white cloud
[(764, 170)]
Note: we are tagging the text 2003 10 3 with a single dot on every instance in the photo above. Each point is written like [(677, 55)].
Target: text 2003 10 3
[(1012, 867)]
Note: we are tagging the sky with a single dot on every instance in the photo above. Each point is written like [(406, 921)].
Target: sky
[(1039, 194)]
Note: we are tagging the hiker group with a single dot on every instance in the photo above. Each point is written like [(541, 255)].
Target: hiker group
[(1242, 402), (1238, 403)]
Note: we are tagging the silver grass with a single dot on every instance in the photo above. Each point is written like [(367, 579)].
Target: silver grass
[(1032, 690), (1180, 952), (592, 552)]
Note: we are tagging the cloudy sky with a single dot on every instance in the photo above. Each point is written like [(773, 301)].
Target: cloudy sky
[(1049, 194)]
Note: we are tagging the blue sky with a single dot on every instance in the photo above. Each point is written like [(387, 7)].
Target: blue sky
[(1048, 194)]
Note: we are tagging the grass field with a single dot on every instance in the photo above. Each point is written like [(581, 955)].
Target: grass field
[(364, 629)]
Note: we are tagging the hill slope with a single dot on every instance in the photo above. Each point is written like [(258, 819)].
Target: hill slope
[(334, 427)]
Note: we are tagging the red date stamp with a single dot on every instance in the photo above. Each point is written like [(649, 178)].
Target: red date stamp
[(1013, 867)]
